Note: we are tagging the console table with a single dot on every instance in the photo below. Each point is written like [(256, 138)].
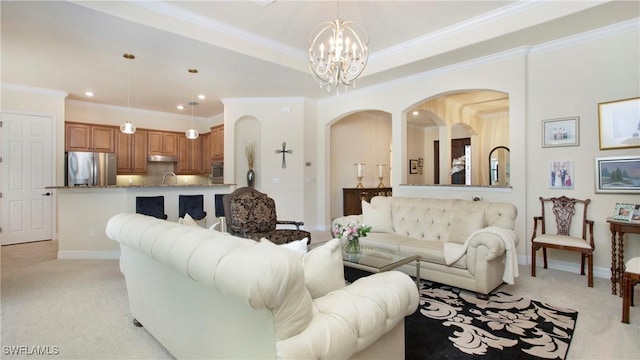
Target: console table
[(618, 229), (352, 198)]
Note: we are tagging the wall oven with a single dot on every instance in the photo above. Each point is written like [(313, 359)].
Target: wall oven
[(217, 172)]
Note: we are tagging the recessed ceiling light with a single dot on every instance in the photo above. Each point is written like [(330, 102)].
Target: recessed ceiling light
[(415, 112), (88, 93), (180, 107), (201, 97)]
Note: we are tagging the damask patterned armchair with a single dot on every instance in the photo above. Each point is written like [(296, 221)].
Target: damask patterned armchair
[(252, 214)]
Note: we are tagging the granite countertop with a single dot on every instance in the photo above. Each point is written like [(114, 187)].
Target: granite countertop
[(138, 186)]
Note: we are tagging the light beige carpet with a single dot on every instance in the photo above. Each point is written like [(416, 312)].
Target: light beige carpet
[(79, 307)]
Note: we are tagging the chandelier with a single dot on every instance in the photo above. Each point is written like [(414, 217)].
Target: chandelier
[(338, 53), (127, 127)]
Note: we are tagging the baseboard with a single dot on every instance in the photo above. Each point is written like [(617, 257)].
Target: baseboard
[(599, 272), (89, 255)]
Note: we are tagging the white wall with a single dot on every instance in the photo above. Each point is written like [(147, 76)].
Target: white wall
[(504, 72), (571, 81), (280, 120), (84, 112)]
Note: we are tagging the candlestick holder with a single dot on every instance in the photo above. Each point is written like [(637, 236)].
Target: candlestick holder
[(380, 177), (359, 186), (359, 167)]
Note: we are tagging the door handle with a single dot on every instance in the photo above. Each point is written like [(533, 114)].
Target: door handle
[(46, 194)]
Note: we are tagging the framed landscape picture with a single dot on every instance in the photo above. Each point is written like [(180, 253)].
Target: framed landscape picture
[(619, 124), (561, 132), (618, 174)]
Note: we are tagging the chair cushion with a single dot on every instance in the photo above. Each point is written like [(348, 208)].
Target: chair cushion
[(280, 236), (633, 265), (562, 240), (254, 212)]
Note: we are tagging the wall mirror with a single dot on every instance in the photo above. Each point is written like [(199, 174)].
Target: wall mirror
[(499, 166), (467, 123)]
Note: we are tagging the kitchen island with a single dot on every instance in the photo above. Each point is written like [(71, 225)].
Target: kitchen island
[(83, 212)]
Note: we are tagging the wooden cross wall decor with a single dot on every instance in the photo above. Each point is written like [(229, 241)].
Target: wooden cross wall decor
[(284, 152)]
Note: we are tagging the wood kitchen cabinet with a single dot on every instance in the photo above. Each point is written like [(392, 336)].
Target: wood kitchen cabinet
[(352, 198), (87, 137), (189, 156), (163, 143), (217, 143), (205, 166), (132, 153)]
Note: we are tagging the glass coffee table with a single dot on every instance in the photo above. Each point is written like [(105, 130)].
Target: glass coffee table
[(375, 260), (378, 260)]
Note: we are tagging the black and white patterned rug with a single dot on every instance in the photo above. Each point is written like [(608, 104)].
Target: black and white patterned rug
[(454, 324)]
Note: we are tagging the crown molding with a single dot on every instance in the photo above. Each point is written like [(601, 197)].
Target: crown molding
[(34, 90), (588, 36)]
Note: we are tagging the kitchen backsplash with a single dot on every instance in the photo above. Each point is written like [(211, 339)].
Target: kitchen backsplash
[(155, 171)]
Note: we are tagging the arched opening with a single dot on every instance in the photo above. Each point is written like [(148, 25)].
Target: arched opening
[(363, 137), (453, 133)]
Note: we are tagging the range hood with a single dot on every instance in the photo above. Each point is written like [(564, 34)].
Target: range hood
[(162, 158)]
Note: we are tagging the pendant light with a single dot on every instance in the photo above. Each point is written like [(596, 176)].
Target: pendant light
[(127, 127), (192, 133)]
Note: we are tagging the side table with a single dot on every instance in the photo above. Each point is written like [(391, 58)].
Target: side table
[(618, 229)]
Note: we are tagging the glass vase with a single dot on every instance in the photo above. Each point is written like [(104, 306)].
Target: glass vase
[(352, 249)]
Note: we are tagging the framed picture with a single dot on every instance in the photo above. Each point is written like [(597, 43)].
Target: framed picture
[(618, 174), (623, 211), (619, 124), (561, 175), (413, 166), (420, 162), (561, 132), (636, 213)]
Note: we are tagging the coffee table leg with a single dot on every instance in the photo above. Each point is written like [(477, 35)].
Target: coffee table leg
[(418, 274)]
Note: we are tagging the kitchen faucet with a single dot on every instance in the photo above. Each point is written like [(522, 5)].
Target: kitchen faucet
[(170, 173)]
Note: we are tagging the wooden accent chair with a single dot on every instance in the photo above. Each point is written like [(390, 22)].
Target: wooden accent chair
[(252, 214), (566, 236), (630, 278)]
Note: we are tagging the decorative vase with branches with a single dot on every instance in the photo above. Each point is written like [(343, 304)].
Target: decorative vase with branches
[(250, 153)]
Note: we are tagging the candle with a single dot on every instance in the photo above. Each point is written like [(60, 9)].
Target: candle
[(380, 170), (359, 170)]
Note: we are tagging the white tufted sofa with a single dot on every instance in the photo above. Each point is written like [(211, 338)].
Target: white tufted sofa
[(209, 295), (475, 231)]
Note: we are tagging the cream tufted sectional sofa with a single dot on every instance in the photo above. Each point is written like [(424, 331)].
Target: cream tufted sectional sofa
[(209, 295), (467, 244)]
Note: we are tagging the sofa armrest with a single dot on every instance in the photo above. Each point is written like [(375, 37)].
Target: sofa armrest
[(348, 320), (485, 246)]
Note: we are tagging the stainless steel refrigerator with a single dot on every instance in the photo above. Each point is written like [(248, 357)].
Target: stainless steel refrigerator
[(91, 169)]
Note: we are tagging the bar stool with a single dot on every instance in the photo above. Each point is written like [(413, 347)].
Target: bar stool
[(151, 206), (192, 205), (630, 278)]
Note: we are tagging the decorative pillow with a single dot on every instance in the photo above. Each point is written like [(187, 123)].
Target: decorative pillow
[(323, 269), (463, 225), (188, 220), (299, 246), (379, 217)]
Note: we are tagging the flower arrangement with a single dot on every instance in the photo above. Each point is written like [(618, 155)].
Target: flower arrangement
[(351, 233)]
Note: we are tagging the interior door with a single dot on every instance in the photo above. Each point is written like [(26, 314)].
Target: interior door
[(27, 167)]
